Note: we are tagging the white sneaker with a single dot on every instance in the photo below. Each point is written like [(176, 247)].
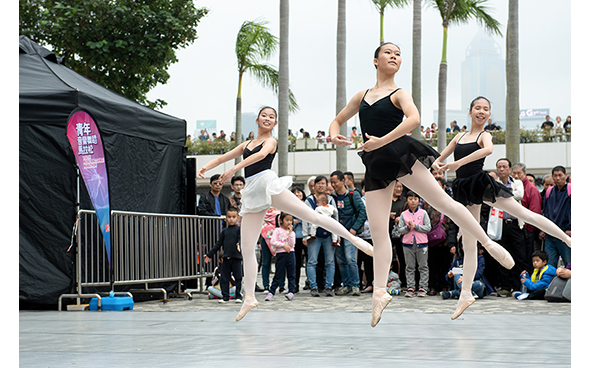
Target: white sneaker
[(238, 300), (222, 301)]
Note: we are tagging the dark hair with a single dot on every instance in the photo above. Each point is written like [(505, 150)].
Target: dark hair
[(282, 216), (559, 168), (349, 173), (238, 178), (410, 193), (339, 174), (232, 209), (296, 189), (213, 178), (504, 159), (319, 178), (442, 181), (377, 52), (541, 254), (267, 107), (479, 98)]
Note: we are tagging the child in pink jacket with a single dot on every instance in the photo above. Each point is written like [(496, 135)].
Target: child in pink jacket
[(283, 240)]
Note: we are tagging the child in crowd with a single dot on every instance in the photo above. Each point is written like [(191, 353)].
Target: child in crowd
[(480, 285), (283, 239), (326, 209), (414, 224), (214, 287), (393, 285), (535, 287), (232, 264)]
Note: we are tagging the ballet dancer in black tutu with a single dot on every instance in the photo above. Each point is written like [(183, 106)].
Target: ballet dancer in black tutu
[(473, 186), (389, 154)]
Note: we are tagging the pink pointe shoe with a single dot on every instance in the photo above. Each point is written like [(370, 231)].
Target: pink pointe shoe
[(500, 254), (249, 303), (363, 246), (463, 303), (379, 303)]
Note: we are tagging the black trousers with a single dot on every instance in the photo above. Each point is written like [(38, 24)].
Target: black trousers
[(514, 242), (231, 266), (300, 250), (439, 262), (367, 262)]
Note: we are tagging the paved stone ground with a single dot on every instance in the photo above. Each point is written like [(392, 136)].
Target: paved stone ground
[(303, 301)]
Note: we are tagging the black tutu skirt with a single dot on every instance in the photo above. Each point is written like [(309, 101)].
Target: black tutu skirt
[(478, 188), (394, 160)]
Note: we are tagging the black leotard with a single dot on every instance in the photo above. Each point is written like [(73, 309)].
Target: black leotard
[(395, 159), (257, 167), (472, 185), (464, 149)]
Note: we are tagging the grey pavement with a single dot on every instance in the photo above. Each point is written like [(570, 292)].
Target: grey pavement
[(304, 332)]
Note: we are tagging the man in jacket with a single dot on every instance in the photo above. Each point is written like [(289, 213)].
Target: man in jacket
[(558, 210), (532, 200), (352, 216), (213, 203), (513, 238)]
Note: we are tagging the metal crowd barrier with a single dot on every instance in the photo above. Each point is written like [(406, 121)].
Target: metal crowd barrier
[(147, 248)]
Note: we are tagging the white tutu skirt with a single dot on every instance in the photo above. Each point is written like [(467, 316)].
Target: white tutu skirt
[(257, 192)]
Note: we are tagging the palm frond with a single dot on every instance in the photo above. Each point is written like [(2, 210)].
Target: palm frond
[(268, 76)]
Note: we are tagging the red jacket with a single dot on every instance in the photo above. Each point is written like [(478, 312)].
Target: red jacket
[(531, 200)]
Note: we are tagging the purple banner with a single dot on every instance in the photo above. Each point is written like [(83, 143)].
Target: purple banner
[(87, 145)]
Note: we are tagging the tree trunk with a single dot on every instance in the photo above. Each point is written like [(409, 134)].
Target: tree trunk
[(416, 62), (283, 103), (512, 74), (341, 100), (239, 120), (381, 26), (442, 101)]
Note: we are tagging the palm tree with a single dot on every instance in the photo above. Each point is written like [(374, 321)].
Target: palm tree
[(457, 12), (254, 44), (512, 75), (416, 61), (283, 101), (341, 100), (381, 5)]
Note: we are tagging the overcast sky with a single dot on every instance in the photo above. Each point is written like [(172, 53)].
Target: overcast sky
[(203, 84)]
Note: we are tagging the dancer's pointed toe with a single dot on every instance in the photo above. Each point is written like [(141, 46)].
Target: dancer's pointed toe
[(463, 303), (363, 246), (500, 254), (378, 308), (246, 306)]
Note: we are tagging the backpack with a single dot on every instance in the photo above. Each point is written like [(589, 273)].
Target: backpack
[(355, 211), (552, 187)]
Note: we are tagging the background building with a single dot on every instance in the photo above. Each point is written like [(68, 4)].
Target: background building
[(483, 74)]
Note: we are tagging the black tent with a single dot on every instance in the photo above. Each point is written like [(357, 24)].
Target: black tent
[(144, 152)]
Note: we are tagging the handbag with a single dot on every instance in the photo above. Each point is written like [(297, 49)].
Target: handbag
[(437, 235), (555, 290), (495, 224)]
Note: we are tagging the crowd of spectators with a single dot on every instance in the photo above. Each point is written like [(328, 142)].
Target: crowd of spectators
[(333, 266)]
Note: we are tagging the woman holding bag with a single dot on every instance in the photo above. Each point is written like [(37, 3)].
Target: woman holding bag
[(473, 186)]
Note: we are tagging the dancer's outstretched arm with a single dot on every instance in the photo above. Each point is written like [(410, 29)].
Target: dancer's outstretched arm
[(236, 152), (269, 146), (516, 209)]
